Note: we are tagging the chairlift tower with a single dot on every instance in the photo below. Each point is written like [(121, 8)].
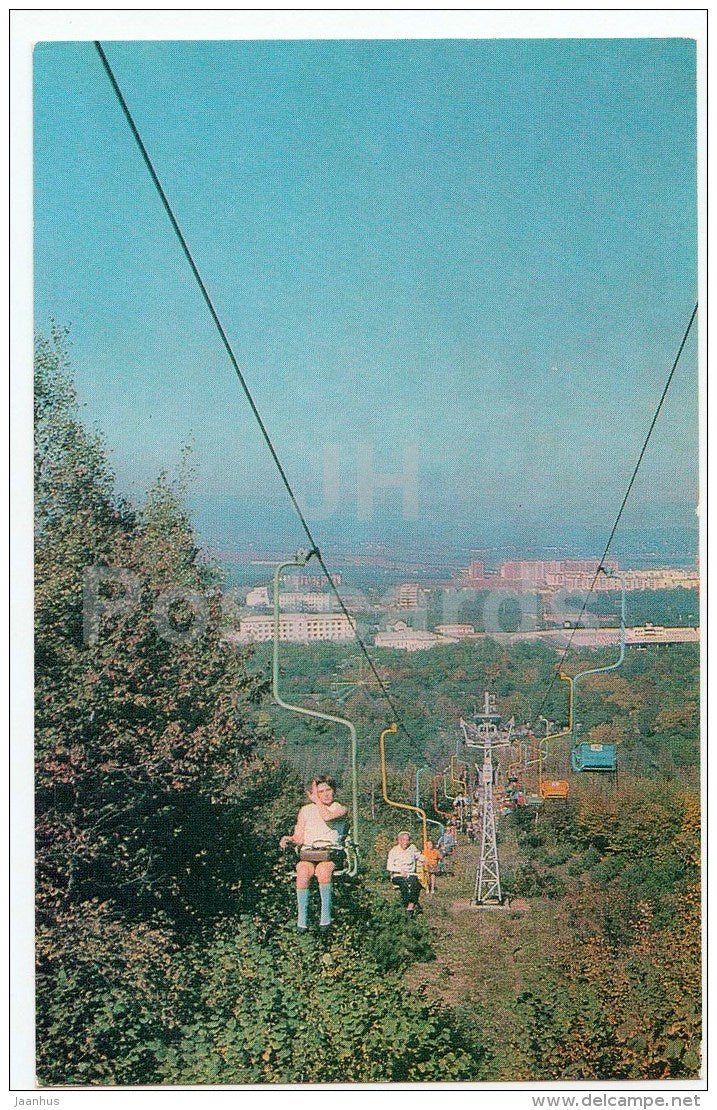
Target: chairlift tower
[(486, 734), (487, 885)]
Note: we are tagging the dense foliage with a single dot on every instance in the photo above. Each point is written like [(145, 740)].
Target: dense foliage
[(650, 707), (620, 995)]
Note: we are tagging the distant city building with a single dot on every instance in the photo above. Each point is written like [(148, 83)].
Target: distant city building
[(258, 597), (567, 574), (586, 566), (526, 575), (403, 638), (662, 578), (459, 631), (311, 602), (300, 601), (310, 581), (527, 571), (407, 595), (299, 628)]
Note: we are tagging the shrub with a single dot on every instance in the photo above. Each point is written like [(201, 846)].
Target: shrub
[(607, 868), (561, 855), (106, 999), (527, 881), (590, 858), (288, 1010), (394, 940)]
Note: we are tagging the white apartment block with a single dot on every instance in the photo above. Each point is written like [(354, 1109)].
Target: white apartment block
[(662, 578), (258, 598), (580, 574), (298, 628), (308, 602), (659, 578)]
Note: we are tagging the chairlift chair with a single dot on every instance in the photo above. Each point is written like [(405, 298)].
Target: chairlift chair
[(348, 851), (599, 758)]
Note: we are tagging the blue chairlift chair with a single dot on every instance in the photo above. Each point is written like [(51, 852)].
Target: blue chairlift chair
[(601, 758)]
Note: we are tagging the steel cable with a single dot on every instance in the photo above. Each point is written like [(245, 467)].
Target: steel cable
[(234, 361), (620, 512)]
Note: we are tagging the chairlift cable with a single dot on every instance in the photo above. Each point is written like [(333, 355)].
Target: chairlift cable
[(619, 515), (235, 363)]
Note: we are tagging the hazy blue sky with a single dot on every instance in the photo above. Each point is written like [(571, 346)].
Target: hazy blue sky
[(486, 249)]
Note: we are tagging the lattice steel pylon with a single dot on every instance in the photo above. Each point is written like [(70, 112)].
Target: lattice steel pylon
[(487, 734), (487, 886)]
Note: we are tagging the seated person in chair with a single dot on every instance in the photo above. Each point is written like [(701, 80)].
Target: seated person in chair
[(318, 832), (401, 865)]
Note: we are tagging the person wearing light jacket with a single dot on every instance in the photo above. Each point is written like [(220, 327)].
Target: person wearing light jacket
[(401, 865)]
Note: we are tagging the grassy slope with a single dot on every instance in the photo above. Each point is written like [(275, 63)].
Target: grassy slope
[(481, 955)]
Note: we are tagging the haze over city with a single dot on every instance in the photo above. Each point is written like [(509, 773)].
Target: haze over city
[(482, 252)]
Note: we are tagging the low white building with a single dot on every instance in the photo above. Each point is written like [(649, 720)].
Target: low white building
[(610, 637), (656, 634), (298, 628), (402, 638), (457, 630)]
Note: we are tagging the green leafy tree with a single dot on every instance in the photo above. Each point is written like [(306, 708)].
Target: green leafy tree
[(149, 789)]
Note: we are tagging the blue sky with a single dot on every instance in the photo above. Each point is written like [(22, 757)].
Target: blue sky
[(486, 249)]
